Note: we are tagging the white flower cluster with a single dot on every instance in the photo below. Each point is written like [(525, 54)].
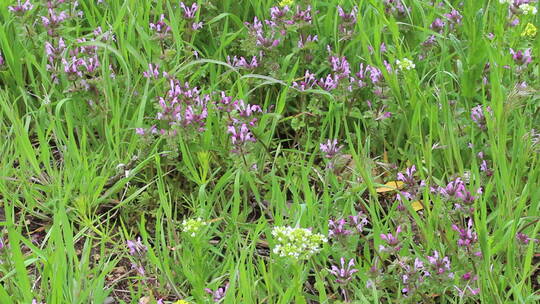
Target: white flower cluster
[(297, 243), (193, 226), (528, 9), (405, 64)]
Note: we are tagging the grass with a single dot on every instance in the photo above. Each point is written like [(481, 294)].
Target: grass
[(77, 181)]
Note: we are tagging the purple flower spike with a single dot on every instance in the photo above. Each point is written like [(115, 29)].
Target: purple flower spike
[(467, 236), (329, 83), (408, 177), (478, 115), (241, 134), (437, 25), (152, 72), (160, 27), (440, 265), (307, 83), (391, 240), (243, 63), (303, 15), (21, 8), (337, 228), (189, 12), (454, 17), (330, 148), (344, 274), (358, 221)]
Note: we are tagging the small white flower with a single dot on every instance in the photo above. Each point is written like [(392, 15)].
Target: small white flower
[(528, 9), (405, 64), (296, 243), (193, 226), (506, 1)]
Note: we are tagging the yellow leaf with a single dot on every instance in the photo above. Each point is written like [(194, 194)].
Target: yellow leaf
[(390, 186), (417, 205)]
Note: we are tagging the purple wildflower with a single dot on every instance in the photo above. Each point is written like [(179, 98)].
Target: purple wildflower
[(348, 17), (478, 116), (358, 221), (344, 274), (241, 62), (440, 265), (267, 42), (240, 134), (152, 72), (467, 236), (307, 83), (484, 166), (329, 83), (246, 110), (183, 106), (336, 228), (408, 177), (160, 27), (73, 68), (454, 17), (53, 20), (525, 239), (277, 14), (347, 20), (21, 8), (394, 7), (303, 15), (514, 22), (54, 52), (391, 240), (309, 39), (189, 12), (411, 276), (375, 75), (383, 114), (330, 148), (136, 247), (196, 26), (340, 66), (218, 294), (468, 276), (521, 57), (437, 25)]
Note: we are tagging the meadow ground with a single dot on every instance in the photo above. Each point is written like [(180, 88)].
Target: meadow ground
[(261, 151)]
